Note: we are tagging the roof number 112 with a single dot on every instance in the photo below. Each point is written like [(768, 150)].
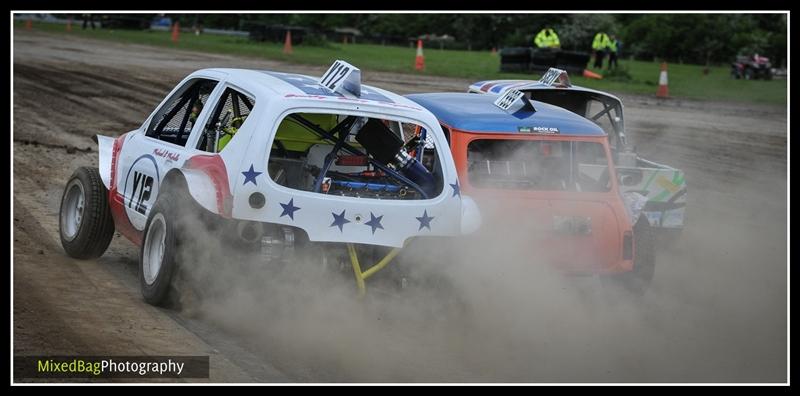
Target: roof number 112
[(334, 75)]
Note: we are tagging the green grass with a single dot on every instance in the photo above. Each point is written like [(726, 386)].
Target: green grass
[(685, 81)]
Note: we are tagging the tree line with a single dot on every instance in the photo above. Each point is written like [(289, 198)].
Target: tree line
[(689, 38)]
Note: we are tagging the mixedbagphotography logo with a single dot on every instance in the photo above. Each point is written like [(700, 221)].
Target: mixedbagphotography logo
[(111, 367)]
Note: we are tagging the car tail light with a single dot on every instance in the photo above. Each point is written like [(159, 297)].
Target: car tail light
[(627, 246)]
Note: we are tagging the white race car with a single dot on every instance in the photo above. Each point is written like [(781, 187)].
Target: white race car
[(279, 161)]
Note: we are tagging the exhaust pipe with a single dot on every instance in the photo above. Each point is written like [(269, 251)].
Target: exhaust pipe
[(249, 231)]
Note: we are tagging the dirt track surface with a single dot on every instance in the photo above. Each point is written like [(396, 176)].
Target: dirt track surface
[(716, 311)]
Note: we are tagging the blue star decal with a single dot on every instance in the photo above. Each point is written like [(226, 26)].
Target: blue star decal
[(289, 209), (456, 189), (425, 220), (339, 221), (250, 175), (374, 222)]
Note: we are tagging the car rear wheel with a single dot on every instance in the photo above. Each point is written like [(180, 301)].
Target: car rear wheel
[(644, 258), (85, 223)]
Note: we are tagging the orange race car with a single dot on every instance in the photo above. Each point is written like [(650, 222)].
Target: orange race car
[(546, 173)]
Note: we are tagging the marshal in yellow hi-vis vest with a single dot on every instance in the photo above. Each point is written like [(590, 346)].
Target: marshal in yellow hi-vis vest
[(547, 38), (601, 42)]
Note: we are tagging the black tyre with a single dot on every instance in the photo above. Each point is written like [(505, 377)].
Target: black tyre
[(158, 256), (85, 223), (748, 74), (515, 59), (644, 258), (522, 52), (521, 67), (638, 280)]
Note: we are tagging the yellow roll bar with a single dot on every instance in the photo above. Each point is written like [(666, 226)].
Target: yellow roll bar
[(361, 276)]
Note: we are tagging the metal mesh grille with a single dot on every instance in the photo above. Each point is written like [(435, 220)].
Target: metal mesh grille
[(174, 123), (172, 127)]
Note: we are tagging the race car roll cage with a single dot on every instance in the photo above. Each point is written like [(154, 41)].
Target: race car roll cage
[(610, 104), (213, 128), (344, 130)]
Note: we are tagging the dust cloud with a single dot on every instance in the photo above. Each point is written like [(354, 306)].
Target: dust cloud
[(486, 308)]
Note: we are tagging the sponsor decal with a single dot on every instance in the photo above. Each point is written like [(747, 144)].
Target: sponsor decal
[(166, 154), (548, 130)]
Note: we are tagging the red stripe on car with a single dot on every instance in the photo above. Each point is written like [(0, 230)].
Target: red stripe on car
[(214, 167), (116, 201)]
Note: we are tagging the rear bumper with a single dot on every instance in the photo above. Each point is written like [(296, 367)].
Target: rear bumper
[(597, 268), (563, 254)]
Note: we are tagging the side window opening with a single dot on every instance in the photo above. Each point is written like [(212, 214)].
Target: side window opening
[(174, 122), (608, 116), (605, 112), (231, 112), (355, 156)]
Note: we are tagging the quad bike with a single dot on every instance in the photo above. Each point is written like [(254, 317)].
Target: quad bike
[(751, 68)]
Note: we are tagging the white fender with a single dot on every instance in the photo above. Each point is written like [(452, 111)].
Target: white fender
[(470, 215), (105, 149), (201, 188)]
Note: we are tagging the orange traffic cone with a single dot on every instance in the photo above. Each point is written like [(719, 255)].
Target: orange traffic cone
[(287, 45), (420, 61), (176, 32), (590, 74), (663, 91), (69, 24), (28, 24)]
